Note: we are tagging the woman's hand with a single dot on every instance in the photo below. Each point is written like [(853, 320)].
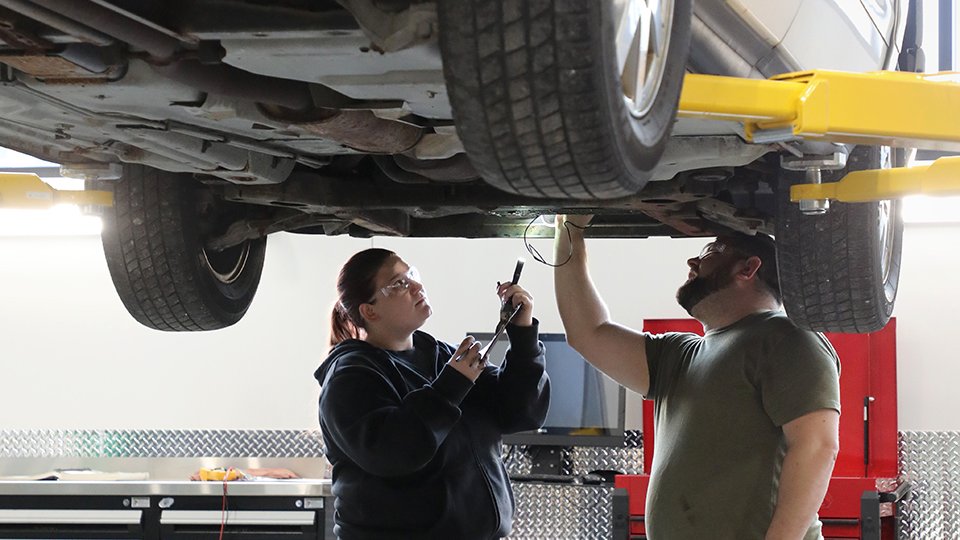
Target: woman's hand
[(516, 294), (467, 359)]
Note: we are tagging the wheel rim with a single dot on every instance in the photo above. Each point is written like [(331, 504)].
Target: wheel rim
[(887, 223), (642, 40), (227, 265)]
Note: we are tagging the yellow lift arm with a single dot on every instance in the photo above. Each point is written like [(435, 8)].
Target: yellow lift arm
[(878, 108), (26, 191), (941, 178)]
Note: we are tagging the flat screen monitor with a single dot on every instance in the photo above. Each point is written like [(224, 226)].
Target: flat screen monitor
[(586, 407)]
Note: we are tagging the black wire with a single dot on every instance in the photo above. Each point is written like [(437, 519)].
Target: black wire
[(536, 254)]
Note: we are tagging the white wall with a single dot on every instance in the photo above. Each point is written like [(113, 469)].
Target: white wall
[(928, 357), (73, 359)]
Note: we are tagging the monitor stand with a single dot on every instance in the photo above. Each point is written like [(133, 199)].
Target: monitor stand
[(547, 460)]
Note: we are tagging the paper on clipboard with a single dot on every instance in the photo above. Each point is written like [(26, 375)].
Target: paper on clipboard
[(500, 329)]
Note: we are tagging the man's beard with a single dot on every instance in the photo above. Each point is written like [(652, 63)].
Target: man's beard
[(694, 291)]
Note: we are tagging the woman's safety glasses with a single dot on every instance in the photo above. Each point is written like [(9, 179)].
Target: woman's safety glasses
[(401, 284)]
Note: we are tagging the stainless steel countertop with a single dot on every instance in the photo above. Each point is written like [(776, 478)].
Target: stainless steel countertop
[(282, 488)]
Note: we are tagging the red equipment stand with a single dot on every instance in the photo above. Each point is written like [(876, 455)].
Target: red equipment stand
[(860, 501)]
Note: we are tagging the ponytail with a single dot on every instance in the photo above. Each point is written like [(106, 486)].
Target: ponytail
[(356, 285), (341, 327)]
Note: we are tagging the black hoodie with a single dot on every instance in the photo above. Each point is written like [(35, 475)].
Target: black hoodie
[(415, 446)]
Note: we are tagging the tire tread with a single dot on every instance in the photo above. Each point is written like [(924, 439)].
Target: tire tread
[(147, 244), (829, 264), (521, 81)]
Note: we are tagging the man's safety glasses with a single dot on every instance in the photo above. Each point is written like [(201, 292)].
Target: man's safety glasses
[(711, 248)]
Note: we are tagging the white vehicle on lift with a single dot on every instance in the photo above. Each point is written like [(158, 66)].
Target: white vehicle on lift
[(217, 122)]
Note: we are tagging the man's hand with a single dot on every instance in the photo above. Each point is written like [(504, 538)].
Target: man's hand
[(577, 220)]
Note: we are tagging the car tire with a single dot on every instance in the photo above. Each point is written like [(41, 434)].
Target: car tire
[(538, 98), (839, 271), (153, 239)]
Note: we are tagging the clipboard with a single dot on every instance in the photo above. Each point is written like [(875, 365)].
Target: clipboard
[(501, 326)]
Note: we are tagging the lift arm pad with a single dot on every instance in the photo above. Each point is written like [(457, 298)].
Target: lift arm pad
[(25, 191), (940, 178)]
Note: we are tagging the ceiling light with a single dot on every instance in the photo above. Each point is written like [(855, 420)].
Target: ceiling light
[(61, 220), (924, 209)]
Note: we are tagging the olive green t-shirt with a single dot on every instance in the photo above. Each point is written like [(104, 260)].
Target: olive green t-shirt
[(719, 404)]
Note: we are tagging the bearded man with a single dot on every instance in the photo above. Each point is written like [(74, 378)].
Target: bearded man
[(746, 417)]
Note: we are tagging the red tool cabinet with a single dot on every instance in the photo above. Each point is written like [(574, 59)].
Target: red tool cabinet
[(861, 501)]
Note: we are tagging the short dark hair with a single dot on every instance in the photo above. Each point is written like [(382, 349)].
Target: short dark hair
[(764, 247)]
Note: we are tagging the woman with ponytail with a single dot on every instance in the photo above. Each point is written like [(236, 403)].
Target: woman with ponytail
[(412, 425)]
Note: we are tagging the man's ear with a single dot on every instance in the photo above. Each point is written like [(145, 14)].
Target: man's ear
[(369, 312), (749, 267)]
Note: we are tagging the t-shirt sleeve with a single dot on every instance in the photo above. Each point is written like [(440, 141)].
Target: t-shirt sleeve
[(800, 375), (666, 354)]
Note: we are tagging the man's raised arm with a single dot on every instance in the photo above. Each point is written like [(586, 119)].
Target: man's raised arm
[(614, 349)]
